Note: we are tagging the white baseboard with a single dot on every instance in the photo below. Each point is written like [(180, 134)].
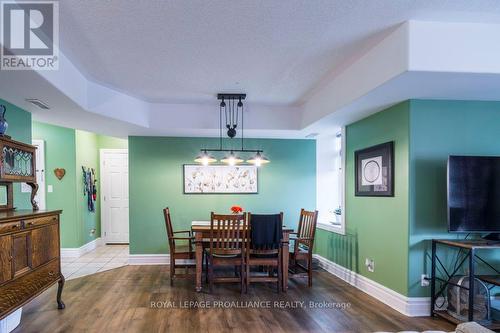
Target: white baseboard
[(76, 252), (154, 259), (148, 259), (409, 306)]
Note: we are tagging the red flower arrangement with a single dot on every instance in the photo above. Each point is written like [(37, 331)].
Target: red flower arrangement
[(236, 209)]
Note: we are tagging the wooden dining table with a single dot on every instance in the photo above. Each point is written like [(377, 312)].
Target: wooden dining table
[(201, 230)]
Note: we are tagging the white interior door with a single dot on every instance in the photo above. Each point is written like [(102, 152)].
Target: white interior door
[(114, 195), (40, 172)]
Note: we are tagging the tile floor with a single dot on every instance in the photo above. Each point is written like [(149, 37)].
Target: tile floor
[(101, 259)]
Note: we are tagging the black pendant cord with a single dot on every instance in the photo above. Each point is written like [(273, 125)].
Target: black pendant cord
[(220, 127), (242, 127)]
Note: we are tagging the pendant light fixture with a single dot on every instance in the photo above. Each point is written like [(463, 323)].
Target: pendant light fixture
[(205, 158), (258, 160), (232, 159), (231, 111)]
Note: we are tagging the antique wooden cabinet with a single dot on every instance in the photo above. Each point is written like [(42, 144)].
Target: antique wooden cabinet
[(29, 239)]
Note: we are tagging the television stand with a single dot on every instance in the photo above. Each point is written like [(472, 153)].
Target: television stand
[(494, 237), (440, 283)]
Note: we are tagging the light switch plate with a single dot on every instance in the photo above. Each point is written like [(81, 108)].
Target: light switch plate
[(50, 188)]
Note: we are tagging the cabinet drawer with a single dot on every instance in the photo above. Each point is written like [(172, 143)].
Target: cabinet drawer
[(22, 289), (9, 227), (32, 223)]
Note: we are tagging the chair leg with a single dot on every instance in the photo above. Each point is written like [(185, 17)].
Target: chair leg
[(172, 270), (280, 273), (310, 272), (206, 267), (247, 276), (242, 275), (210, 275)]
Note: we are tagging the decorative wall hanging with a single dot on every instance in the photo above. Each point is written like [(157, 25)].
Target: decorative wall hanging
[(60, 172), (231, 112), (89, 187), (218, 179), (375, 171), (3, 122)]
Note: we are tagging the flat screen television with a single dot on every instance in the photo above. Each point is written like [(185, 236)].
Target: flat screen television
[(474, 194)]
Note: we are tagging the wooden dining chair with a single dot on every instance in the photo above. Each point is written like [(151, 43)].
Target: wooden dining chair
[(267, 257), (178, 251), (227, 242), (303, 243)]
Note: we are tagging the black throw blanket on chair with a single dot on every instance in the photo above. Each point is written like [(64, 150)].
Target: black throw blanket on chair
[(266, 230)]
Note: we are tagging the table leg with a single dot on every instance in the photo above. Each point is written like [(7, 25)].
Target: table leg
[(285, 258), (471, 284), (433, 278), (199, 259)]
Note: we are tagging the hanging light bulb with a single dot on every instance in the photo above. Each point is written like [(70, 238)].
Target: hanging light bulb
[(232, 159), (204, 158), (258, 160)]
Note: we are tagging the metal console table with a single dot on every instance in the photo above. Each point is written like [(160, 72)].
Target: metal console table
[(471, 246)]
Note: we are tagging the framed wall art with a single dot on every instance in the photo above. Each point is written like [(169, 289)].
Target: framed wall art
[(374, 168), (220, 179)]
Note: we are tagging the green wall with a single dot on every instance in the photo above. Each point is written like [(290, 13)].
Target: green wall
[(396, 232), (109, 142), (440, 129), (376, 228), (19, 129), (60, 153), (286, 184), (87, 155), (71, 149)]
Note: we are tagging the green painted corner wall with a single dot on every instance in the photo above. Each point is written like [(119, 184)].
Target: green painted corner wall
[(288, 183), (87, 155), (376, 228), (439, 129), (71, 149), (19, 129), (60, 153), (109, 142)]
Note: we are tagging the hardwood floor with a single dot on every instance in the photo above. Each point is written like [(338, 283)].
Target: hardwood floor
[(119, 300)]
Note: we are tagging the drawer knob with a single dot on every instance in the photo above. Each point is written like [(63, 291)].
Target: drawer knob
[(51, 273)]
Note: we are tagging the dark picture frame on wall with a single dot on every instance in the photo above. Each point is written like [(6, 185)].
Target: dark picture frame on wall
[(374, 171)]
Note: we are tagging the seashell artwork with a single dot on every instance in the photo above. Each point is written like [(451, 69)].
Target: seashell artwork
[(220, 179)]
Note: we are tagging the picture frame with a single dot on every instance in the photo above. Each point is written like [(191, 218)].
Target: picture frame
[(374, 171), (220, 179)]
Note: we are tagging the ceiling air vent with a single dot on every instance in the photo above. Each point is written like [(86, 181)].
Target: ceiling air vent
[(38, 103)]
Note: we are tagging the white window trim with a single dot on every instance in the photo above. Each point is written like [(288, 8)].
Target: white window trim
[(328, 226)]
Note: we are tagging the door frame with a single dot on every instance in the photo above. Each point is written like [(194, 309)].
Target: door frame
[(103, 183), (42, 189)]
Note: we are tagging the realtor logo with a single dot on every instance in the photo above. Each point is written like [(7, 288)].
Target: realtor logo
[(29, 35)]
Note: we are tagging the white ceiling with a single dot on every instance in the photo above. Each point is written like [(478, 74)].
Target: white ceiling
[(154, 67), (276, 51)]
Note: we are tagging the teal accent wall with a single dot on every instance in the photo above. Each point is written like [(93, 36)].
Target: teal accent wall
[(376, 227), (60, 153), (439, 129), (286, 184), (19, 129)]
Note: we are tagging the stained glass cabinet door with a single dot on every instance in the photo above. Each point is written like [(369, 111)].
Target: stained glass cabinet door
[(18, 161), (17, 164)]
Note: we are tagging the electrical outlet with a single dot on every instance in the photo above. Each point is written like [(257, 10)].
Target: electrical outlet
[(50, 188), (424, 280), (370, 265)]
